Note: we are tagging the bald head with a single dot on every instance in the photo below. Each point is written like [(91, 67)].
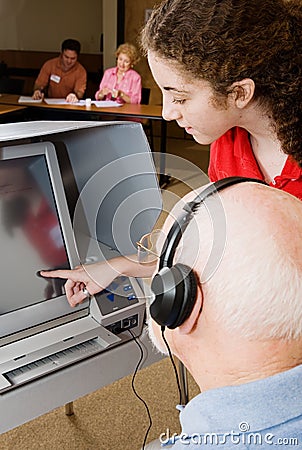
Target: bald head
[(245, 245)]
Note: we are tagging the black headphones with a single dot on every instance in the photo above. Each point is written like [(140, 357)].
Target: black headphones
[(175, 286)]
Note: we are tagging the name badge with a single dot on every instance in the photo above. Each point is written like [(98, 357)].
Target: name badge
[(55, 78)]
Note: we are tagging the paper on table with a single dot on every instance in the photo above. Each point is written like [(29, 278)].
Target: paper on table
[(25, 99), (62, 101), (56, 101), (106, 103)]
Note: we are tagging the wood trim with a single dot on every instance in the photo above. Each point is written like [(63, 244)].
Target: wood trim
[(25, 59)]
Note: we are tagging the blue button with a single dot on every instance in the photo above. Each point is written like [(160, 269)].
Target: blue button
[(110, 297), (131, 297)]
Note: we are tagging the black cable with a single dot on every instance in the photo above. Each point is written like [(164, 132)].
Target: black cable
[(172, 361), (134, 390)]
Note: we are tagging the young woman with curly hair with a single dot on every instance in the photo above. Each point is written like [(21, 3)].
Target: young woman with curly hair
[(230, 74)]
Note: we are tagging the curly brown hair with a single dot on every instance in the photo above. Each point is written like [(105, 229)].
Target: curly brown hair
[(224, 41)]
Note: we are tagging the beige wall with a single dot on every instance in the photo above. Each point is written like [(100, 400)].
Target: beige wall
[(110, 31), (42, 26), (134, 21)]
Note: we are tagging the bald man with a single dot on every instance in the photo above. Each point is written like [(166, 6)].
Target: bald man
[(242, 340)]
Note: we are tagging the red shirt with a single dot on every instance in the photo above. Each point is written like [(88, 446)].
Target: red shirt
[(232, 155)]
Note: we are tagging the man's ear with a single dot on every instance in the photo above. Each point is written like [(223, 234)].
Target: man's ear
[(189, 324), (243, 92)]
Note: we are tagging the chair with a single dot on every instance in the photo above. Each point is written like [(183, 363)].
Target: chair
[(147, 123), (145, 96), (11, 85)]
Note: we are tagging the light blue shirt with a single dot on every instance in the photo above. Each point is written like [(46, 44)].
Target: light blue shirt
[(265, 414)]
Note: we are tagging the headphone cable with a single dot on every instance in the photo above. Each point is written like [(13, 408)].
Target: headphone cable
[(134, 389), (172, 362), (135, 373)]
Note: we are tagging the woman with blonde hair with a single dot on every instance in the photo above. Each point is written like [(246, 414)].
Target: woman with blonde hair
[(122, 83)]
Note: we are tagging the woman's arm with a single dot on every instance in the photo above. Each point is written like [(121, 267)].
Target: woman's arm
[(105, 86), (97, 276)]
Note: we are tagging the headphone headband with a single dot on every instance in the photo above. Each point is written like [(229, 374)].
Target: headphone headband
[(180, 225)]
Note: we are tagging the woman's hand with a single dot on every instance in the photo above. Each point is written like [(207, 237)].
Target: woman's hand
[(97, 276), (102, 94), (92, 277)]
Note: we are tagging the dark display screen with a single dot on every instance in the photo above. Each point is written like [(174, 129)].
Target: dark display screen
[(30, 234)]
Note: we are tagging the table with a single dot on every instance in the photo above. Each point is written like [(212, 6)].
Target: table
[(43, 111), (9, 112)]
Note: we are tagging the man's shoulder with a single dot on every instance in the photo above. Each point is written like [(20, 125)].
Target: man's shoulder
[(80, 67), (50, 65), (52, 61)]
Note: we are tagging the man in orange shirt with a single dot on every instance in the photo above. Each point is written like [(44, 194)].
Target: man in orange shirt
[(63, 76)]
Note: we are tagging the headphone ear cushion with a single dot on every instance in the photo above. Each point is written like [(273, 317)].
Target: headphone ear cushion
[(175, 290)]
